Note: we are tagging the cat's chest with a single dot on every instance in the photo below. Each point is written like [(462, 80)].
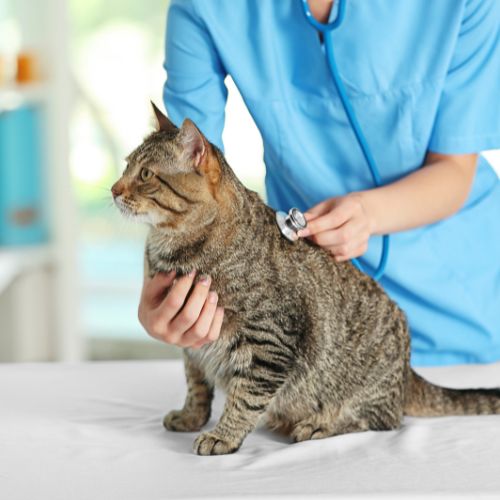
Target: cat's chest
[(220, 360)]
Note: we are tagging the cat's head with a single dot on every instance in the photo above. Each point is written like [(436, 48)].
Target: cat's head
[(172, 179)]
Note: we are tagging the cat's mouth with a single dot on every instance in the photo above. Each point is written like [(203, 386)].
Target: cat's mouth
[(126, 207)]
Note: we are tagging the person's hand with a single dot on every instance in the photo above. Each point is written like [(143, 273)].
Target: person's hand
[(340, 225), (175, 318)]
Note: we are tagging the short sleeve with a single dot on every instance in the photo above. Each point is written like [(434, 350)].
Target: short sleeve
[(195, 86), (468, 114)]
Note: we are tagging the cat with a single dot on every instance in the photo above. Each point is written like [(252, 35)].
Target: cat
[(314, 347)]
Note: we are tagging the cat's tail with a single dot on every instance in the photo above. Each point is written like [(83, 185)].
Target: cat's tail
[(424, 399)]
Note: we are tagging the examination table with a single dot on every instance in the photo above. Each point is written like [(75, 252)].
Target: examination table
[(94, 431)]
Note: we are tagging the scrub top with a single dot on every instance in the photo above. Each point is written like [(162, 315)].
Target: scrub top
[(421, 76)]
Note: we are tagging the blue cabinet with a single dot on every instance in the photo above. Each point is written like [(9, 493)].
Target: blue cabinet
[(23, 217)]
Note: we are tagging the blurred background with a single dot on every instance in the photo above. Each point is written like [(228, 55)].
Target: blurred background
[(76, 77)]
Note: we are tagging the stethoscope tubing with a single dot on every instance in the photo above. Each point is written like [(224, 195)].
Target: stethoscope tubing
[(326, 30)]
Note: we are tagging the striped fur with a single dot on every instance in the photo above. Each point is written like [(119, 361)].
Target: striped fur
[(313, 347)]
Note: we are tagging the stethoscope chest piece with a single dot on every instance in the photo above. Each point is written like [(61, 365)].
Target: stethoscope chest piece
[(290, 224)]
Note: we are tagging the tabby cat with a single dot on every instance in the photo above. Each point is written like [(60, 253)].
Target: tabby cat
[(315, 347)]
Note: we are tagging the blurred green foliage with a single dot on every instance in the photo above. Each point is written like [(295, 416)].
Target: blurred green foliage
[(88, 18), (89, 15)]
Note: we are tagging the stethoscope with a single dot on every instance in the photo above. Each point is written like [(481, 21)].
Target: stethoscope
[(297, 221)]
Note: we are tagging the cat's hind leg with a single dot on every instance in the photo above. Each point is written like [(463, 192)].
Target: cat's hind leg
[(325, 422), (319, 427), (315, 421), (377, 406), (321, 424), (196, 411), (369, 415)]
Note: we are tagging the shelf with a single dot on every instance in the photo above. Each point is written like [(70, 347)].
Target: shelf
[(14, 96), (16, 260)]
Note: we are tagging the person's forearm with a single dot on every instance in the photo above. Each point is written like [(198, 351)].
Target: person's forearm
[(431, 193)]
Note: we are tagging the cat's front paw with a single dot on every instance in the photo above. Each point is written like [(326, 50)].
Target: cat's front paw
[(209, 443), (182, 421)]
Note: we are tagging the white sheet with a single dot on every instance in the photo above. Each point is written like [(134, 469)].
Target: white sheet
[(93, 431)]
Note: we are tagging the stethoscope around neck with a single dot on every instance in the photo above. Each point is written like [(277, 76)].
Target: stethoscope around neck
[(326, 30)]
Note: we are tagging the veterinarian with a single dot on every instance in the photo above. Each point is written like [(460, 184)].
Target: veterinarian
[(424, 80)]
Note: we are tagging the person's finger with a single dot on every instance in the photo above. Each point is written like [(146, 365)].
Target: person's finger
[(190, 311), (201, 327), (155, 287), (350, 250), (356, 252), (344, 249), (156, 320), (174, 299), (353, 232), (328, 239), (317, 210), (341, 258), (330, 220), (359, 250), (215, 328), (199, 344)]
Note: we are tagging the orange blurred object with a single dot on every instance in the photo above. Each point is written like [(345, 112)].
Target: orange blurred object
[(27, 68), (3, 70)]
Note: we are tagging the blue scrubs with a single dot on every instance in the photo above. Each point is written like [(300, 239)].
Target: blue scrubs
[(420, 76)]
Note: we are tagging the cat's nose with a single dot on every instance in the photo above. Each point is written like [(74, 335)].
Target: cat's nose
[(117, 189)]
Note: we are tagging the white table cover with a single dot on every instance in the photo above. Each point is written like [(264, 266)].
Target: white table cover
[(93, 431)]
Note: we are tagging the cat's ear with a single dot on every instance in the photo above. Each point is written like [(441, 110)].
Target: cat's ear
[(193, 144), (198, 153), (164, 124)]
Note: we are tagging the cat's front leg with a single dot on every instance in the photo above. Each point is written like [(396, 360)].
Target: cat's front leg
[(196, 411), (248, 397)]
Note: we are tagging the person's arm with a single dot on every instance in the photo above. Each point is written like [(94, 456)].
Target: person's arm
[(467, 121), (427, 195), (344, 224), (194, 89)]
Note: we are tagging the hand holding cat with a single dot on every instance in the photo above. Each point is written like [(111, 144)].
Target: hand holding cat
[(167, 314), (341, 225)]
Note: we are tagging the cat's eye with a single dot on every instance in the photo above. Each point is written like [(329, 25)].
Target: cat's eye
[(146, 174)]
